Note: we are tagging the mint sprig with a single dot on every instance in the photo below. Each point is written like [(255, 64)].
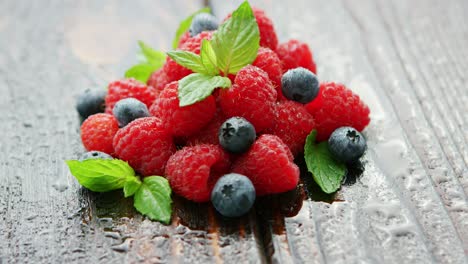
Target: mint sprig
[(237, 40), (234, 45), (150, 61), (152, 195), (185, 25), (101, 175), (327, 172), (198, 86), (153, 199)]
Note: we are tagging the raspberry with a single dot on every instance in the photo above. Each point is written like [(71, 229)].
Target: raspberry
[(158, 80), (193, 171), (182, 121), (183, 39), (174, 71), (293, 125), (337, 106), (269, 165), (295, 53), (145, 144), (268, 61), (268, 36), (97, 132), (127, 88), (252, 96), (209, 133)]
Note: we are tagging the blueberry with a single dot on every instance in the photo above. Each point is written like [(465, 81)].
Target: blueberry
[(203, 22), (95, 155), (236, 135), (346, 144), (129, 109), (300, 85), (91, 102), (233, 195)]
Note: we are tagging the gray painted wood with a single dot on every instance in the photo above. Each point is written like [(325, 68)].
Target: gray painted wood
[(407, 60)]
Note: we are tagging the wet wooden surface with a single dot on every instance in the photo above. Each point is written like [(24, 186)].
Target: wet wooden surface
[(407, 60)]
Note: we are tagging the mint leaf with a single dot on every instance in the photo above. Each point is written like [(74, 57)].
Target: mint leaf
[(185, 25), (204, 63), (140, 72), (196, 87), (236, 41), (151, 56), (187, 59), (153, 199), (327, 172), (101, 175), (150, 61), (131, 186), (208, 58)]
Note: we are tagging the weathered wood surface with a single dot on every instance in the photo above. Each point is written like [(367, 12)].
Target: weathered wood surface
[(407, 60)]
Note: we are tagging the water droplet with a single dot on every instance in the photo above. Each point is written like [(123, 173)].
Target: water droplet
[(123, 247), (61, 187)]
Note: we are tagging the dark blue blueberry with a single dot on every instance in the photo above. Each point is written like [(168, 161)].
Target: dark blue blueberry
[(236, 135), (95, 155), (347, 145), (203, 22), (300, 85), (233, 195), (129, 109), (91, 102)]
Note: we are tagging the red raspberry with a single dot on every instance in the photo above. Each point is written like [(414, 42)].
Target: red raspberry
[(145, 144), (193, 171), (209, 133), (182, 121), (268, 36), (268, 61), (295, 53), (293, 125), (252, 96), (336, 106), (174, 71), (158, 80), (97, 132), (126, 88), (183, 39), (269, 165)]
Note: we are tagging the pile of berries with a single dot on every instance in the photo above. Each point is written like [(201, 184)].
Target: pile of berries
[(237, 143)]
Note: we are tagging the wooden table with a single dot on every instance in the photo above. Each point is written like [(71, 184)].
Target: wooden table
[(407, 60)]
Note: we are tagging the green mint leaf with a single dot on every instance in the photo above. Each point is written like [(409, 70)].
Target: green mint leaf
[(132, 184), (196, 87), (327, 172), (101, 175), (236, 41), (150, 61), (187, 59), (153, 199), (208, 58), (185, 25), (151, 56), (140, 72)]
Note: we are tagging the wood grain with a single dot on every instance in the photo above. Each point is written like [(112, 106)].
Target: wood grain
[(410, 203), (407, 60)]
